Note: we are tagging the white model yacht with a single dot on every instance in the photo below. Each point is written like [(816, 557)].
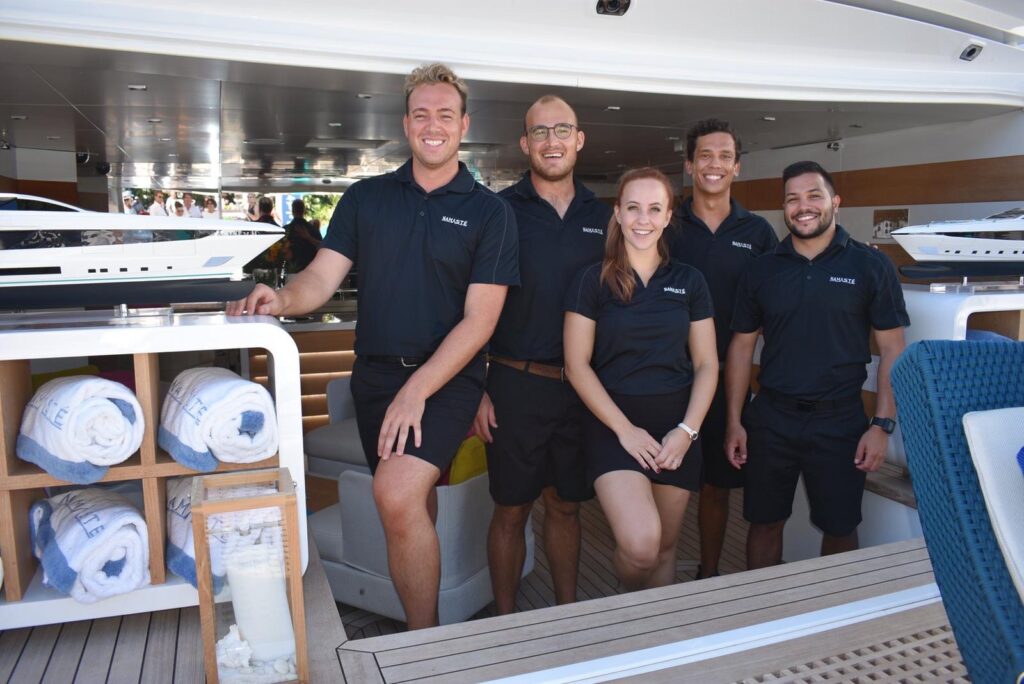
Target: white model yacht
[(988, 246), (80, 258)]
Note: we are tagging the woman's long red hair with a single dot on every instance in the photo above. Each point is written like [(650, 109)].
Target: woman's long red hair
[(615, 269)]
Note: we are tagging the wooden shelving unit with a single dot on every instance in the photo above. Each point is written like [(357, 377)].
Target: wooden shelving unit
[(24, 338)]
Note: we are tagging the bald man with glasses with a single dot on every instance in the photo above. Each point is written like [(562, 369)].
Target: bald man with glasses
[(530, 415)]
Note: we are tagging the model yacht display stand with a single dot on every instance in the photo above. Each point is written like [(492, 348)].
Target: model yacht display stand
[(143, 335), (940, 311)]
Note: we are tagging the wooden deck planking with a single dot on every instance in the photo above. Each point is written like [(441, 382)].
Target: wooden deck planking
[(99, 650), (188, 656), (161, 647), (12, 643), (35, 655), (130, 649), (67, 653)]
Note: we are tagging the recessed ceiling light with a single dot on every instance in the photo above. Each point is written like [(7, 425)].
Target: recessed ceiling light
[(334, 124), (171, 154), (612, 108), (166, 139), (53, 137), (768, 117), (609, 151), (18, 117), (364, 96), (138, 86), (154, 120), (671, 137)]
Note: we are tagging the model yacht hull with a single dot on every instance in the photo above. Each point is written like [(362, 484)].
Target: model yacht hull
[(81, 258), (992, 246)]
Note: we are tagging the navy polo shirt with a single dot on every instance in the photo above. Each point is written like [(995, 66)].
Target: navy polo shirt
[(552, 250), (721, 256), (417, 253), (641, 348), (817, 315)]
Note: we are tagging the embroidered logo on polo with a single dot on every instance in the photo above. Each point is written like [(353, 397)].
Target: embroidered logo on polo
[(455, 221), (595, 231), (843, 280), (676, 290), (743, 245)]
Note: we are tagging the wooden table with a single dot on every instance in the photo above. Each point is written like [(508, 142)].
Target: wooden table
[(873, 610)]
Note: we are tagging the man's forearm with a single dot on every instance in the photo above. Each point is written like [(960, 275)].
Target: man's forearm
[(738, 363)]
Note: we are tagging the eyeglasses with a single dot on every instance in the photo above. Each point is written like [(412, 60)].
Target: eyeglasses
[(561, 130)]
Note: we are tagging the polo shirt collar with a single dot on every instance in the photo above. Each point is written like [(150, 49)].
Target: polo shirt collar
[(737, 212), (524, 188), (839, 241), (463, 182)]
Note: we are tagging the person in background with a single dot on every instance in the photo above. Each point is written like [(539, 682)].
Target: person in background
[(210, 208), (302, 236), (436, 253), (158, 208), (719, 238), (640, 351), (192, 210), (179, 209), (266, 211), (817, 299)]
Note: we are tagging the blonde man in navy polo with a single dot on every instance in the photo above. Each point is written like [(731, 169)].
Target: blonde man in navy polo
[(817, 298), (436, 252), (530, 416)]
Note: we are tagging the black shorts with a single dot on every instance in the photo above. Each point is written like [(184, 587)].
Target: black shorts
[(784, 442), (447, 417), (537, 442), (655, 413), (718, 472)]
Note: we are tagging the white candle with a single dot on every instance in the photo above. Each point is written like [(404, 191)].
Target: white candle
[(260, 598)]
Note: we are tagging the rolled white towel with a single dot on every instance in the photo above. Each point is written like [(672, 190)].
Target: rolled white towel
[(92, 544), (76, 427), (211, 415)]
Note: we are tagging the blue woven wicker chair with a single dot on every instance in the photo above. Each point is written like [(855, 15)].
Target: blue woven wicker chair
[(936, 382)]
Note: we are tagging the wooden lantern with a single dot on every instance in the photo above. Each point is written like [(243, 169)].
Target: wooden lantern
[(246, 533)]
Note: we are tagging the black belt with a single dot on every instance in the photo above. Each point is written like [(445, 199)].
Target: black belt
[(406, 361), (808, 405)]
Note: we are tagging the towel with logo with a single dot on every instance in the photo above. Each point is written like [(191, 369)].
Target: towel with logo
[(181, 547), (212, 415), (92, 543), (76, 427)]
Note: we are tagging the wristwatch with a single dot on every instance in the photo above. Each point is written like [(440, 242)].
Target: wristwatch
[(887, 424), (689, 430)]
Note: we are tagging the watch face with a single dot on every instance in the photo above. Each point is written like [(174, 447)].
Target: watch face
[(887, 424)]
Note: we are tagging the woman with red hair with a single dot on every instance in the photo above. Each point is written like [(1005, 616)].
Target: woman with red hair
[(640, 351)]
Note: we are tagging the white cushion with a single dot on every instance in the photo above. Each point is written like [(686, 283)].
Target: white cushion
[(336, 441), (994, 438)]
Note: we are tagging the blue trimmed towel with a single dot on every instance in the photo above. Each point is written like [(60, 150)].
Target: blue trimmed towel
[(76, 427), (92, 544), (212, 415), (181, 547)]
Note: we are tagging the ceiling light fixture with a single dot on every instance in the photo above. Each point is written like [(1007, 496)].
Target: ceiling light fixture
[(612, 108), (53, 137), (18, 117), (334, 124), (364, 96), (171, 154), (768, 117), (165, 139), (138, 87), (609, 151), (673, 138), (154, 120)]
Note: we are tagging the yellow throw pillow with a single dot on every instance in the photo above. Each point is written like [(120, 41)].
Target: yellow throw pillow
[(470, 460)]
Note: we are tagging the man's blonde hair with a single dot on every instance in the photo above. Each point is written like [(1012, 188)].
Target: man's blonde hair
[(429, 74)]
